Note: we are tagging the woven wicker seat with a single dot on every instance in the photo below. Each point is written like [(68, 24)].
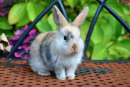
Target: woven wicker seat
[(88, 74)]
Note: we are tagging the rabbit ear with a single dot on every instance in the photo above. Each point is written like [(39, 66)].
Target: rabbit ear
[(59, 19), (81, 17)]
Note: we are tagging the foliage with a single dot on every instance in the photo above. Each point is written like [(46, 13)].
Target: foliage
[(27, 12), (109, 39), (5, 6)]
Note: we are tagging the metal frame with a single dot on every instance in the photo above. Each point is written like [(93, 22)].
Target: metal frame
[(102, 4)]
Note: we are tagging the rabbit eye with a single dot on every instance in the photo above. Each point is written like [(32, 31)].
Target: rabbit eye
[(65, 37)]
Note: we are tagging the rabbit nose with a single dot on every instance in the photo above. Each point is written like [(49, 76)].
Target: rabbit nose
[(74, 46)]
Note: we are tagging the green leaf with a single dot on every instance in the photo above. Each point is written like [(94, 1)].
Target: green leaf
[(51, 22), (45, 2), (108, 31), (84, 29), (16, 13), (128, 21), (115, 6), (7, 33), (43, 26), (72, 3), (113, 51), (85, 26), (82, 1), (102, 21), (100, 52), (4, 24), (122, 49), (83, 35), (89, 49), (118, 29), (97, 35), (40, 8), (125, 8), (116, 26), (119, 50), (112, 57), (126, 43), (33, 10), (23, 22), (92, 10)]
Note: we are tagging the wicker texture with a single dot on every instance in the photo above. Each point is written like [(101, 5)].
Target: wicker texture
[(89, 74)]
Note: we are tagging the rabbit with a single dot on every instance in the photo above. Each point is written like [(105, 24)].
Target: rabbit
[(60, 51)]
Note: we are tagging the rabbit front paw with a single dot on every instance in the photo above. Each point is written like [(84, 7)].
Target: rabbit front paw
[(60, 77), (71, 77), (44, 73)]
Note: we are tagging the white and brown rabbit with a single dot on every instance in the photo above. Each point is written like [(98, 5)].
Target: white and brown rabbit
[(59, 51)]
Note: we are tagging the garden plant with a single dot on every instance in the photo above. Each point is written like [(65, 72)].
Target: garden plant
[(109, 40)]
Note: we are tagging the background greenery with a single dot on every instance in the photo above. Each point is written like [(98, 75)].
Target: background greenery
[(109, 39)]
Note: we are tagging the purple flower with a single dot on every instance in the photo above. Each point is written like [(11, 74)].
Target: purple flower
[(26, 26), (9, 0), (18, 32), (23, 49), (127, 1), (15, 37), (26, 51), (1, 1), (26, 47), (5, 6), (2, 12), (33, 33), (26, 40), (26, 56), (20, 47), (10, 41), (19, 53)]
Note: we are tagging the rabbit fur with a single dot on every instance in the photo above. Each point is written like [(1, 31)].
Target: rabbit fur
[(59, 51)]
